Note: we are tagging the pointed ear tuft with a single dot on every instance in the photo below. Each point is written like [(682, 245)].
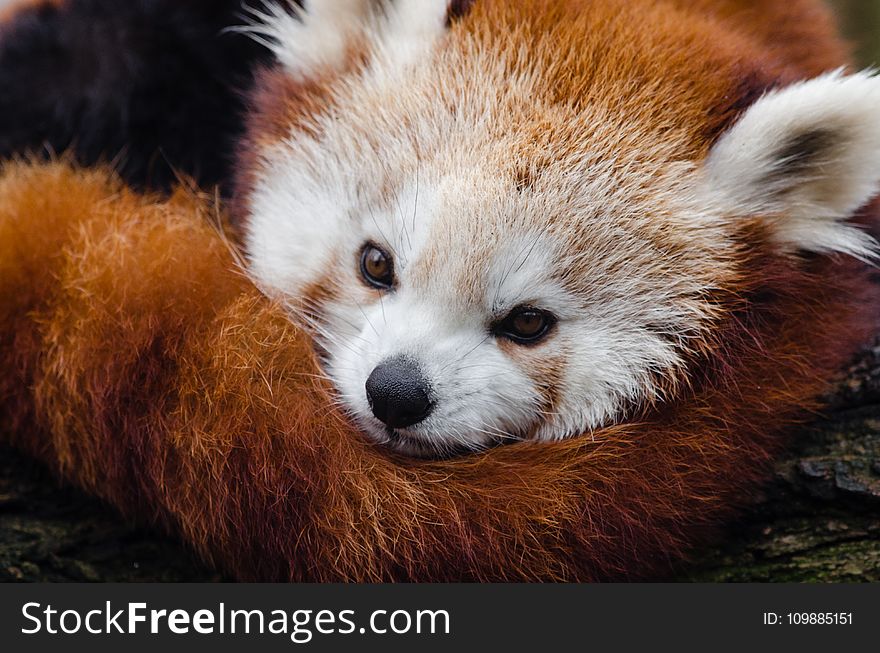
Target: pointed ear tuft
[(317, 35), (807, 157), (305, 36), (413, 27)]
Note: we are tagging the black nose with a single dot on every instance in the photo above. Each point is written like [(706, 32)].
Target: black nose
[(398, 393)]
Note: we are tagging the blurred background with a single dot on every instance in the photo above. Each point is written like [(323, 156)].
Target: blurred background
[(860, 20)]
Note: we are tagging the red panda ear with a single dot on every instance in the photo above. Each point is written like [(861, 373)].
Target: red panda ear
[(320, 35), (806, 157), (307, 38)]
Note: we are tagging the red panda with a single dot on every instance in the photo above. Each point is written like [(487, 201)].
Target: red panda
[(740, 242), (531, 220)]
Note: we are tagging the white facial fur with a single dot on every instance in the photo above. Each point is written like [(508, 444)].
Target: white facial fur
[(422, 166)]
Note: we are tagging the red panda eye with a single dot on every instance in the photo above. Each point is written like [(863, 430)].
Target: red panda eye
[(377, 267), (526, 325)]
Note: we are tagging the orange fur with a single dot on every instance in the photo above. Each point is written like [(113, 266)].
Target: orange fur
[(147, 370)]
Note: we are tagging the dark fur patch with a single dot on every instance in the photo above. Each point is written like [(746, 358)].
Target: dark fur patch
[(156, 86), (749, 89), (524, 177), (804, 151), (458, 9)]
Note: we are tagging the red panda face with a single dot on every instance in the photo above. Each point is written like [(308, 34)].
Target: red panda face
[(534, 308), (481, 262)]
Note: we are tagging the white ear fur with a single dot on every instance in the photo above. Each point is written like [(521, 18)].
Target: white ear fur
[(807, 157), (308, 38), (316, 36), (413, 27)]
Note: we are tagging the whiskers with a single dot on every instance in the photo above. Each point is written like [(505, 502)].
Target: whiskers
[(304, 314)]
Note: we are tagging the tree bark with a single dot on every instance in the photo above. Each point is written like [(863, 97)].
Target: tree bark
[(52, 533), (819, 518)]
